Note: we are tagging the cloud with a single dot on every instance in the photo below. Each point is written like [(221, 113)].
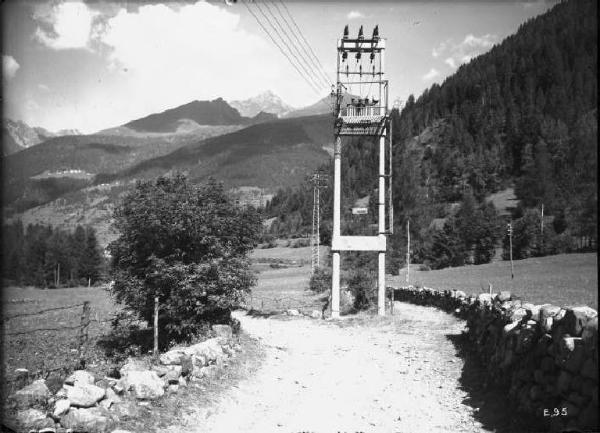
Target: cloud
[(470, 47), (352, 15), (431, 74), (65, 25), (9, 66)]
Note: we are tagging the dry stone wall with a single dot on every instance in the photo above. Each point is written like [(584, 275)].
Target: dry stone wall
[(545, 356), (92, 404)]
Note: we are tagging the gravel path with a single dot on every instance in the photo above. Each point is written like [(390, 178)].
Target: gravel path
[(363, 374)]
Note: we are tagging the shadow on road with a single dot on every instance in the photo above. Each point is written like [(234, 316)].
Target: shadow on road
[(492, 406)]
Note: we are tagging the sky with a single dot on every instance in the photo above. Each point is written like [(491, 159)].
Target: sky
[(95, 65)]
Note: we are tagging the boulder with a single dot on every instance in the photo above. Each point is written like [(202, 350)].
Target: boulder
[(84, 395), (133, 364), (32, 419), (484, 298), (92, 420), (80, 376), (173, 388), (224, 332), (547, 310), (210, 350), (590, 332), (160, 370), (61, 407), (576, 318), (172, 376), (34, 395), (145, 385), (504, 295), (125, 410), (111, 394), (292, 312), (316, 314), (172, 357)]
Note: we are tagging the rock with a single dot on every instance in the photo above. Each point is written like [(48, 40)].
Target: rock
[(563, 381), (106, 403), (575, 359), (210, 350), (504, 295), (546, 324), (186, 365), (590, 332), (182, 381), (111, 394), (160, 370), (224, 332), (172, 376), (316, 314), (208, 371), (576, 318), (80, 376), (460, 294), (508, 328), (61, 407), (84, 395), (292, 312), (173, 388), (518, 314), (589, 370), (547, 364), (34, 395), (125, 410), (145, 385), (547, 310), (92, 420), (172, 357), (133, 364), (33, 419), (484, 298)]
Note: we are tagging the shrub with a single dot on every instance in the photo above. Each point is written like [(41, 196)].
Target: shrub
[(320, 281), (299, 243), (364, 289), (186, 244)]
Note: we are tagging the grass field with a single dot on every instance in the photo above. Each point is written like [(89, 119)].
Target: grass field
[(49, 349), (566, 279)]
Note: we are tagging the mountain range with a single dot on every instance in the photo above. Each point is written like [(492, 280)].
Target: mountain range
[(266, 102), (17, 135)]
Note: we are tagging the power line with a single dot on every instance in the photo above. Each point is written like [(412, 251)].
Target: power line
[(300, 62), (306, 42), (318, 79), (305, 77), (321, 74), (279, 47)]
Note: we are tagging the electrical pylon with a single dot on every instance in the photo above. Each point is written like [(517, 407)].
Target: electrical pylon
[(319, 180)]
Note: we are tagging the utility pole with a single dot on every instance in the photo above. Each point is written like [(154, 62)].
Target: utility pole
[(319, 180), (366, 116), (510, 232), (542, 228), (408, 252)]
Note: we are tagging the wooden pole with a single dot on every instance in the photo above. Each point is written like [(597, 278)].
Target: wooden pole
[(83, 331), (408, 252), (512, 269), (155, 351)]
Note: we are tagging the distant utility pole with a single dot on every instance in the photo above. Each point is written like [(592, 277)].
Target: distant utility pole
[(319, 180), (407, 252), (510, 232)]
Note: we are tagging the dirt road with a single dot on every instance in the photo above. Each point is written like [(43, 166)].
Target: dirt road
[(365, 374)]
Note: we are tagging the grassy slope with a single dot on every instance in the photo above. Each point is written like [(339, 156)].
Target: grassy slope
[(566, 279)]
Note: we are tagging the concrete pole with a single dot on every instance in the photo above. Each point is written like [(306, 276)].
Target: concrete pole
[(381, 261), (337, 188)]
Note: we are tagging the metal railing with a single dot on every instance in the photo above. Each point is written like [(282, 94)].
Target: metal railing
[(354, 111)]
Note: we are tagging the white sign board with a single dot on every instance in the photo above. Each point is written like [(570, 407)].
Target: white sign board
[(359, 211)]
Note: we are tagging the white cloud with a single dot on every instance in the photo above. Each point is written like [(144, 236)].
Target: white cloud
[(450, 62), (9, 66), (352, 15), (470, 47), (65, 25), (431, 74), (43, 87)]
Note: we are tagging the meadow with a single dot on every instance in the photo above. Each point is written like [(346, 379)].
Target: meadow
[(565, 279)]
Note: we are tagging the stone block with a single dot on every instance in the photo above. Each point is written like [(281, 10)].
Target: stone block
[(92, 420), (31, 419), (80, 376), (34, 395), (504, 295), (145, 385), (61, 407), (172, 357), (84, 394)]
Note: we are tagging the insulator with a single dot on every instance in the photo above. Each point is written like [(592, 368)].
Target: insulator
[(347, 70), (346, 32), (373, 70), (344, 56), (372, 56), (357, 57), (360, 71), (376, 32), (360, 32)]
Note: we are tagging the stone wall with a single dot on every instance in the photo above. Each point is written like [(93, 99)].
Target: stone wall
[(545, 356), (93, 404)]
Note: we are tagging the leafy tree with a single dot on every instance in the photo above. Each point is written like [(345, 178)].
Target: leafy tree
[(186, 244)]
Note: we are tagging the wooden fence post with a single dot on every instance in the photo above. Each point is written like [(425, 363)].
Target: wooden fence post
[(155, 352), (83, 331)]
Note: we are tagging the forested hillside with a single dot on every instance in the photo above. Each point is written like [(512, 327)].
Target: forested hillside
[(524, 115)]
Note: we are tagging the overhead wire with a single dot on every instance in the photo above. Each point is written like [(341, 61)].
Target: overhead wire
[(301, 64), (316, 78), (280, 48), (320, 66), (315, 63)]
